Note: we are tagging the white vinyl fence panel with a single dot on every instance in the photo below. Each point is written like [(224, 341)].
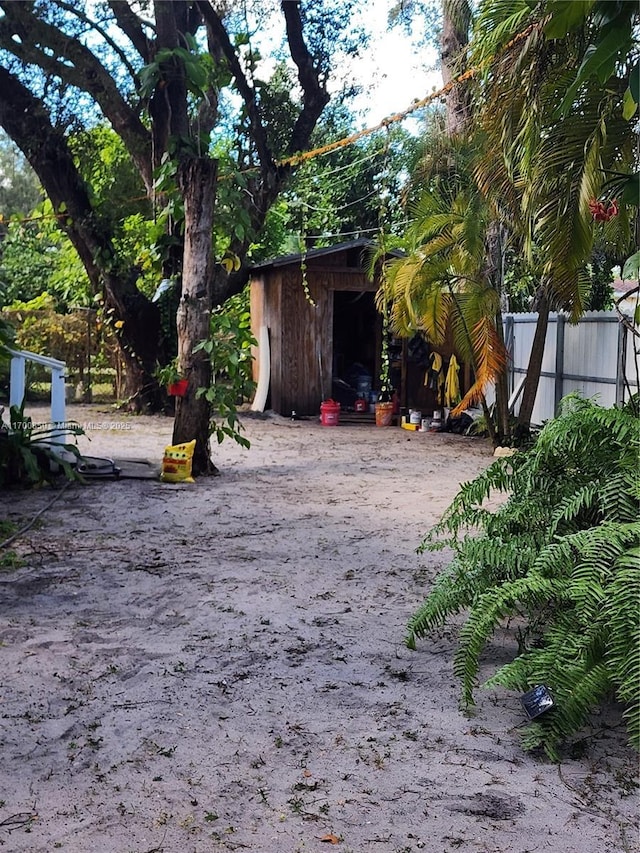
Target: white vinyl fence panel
[(591, 357)]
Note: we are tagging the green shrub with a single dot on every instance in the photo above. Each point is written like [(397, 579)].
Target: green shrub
[(78, 337), (229, 348), (561, 555), (26, 456)]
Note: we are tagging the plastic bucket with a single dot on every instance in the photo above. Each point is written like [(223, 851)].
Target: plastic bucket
[(329, 413), (384, 414)]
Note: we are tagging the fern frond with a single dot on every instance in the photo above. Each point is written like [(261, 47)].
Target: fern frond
[(485, 616), (583, 502), (563, 553), (571, 712), (447, 598)]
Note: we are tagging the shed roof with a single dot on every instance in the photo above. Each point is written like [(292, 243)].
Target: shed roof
[(284, 260)]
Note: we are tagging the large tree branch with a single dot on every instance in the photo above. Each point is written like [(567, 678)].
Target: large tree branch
[(133, 28), (219, 36), (59, 54), (208, 108), (168, 104), (94, 25), (315, 96), (25, 119)]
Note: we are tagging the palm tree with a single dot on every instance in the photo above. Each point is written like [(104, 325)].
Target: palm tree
[(442, 283), (538, 168), (554, 135)]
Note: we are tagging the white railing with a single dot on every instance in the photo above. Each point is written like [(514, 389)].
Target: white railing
[(19, 360)]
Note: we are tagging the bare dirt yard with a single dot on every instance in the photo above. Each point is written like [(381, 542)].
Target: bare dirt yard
[(220, 666)]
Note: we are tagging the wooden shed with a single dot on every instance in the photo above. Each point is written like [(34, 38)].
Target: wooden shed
[(315, 337)]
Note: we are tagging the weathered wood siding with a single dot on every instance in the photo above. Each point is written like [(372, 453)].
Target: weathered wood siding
[(306, 341)]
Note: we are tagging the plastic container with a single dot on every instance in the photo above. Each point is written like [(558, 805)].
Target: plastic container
[(178, 388), (384, 413), (360, 405), (329, 413), (415, 417)]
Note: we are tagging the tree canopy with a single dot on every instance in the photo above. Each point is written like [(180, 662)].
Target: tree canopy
[(547, 113), (168, 78)]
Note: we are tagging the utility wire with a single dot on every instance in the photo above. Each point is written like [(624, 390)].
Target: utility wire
[(396, 117), (336, 209), (298, 159)]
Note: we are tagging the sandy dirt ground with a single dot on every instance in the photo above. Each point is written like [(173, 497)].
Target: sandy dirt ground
[(220, 666)]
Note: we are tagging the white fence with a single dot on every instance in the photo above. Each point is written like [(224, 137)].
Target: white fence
[(596, 357)]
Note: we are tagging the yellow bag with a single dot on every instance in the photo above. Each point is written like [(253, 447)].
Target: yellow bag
[(176, 464)]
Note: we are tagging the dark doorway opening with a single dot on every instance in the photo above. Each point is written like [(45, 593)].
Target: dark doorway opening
[(356, 342)]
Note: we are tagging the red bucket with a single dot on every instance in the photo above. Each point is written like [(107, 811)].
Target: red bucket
[(329, 413)]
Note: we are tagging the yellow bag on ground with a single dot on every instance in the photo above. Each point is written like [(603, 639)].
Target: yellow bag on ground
[(177, 461)]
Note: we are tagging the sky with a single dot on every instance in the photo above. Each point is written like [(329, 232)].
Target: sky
[(393, 71)]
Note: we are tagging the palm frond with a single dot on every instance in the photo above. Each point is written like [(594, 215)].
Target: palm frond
[(490, 359)]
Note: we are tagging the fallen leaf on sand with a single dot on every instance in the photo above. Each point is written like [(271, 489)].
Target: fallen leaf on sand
[(331, 838)]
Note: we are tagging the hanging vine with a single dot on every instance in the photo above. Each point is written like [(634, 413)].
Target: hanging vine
[(303, 255), (382, 300)]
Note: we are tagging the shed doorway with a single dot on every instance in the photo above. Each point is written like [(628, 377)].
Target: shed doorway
[(357, 328)]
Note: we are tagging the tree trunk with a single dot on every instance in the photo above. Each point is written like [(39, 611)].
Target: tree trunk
[(456, 18), (494, 274), (196, 178), (534, 368), (138, 335)]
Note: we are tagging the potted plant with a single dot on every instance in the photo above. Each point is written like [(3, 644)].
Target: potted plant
[(169, 376)]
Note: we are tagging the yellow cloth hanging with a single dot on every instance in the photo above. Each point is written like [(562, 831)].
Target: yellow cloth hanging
[(452, 385)]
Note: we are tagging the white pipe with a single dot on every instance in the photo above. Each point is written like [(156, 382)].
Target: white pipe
[(264, 371)]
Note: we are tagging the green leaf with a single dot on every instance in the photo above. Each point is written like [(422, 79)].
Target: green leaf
[(566, 17), (191, 41), (629, 105), (631, 192), (196, 74), (631, 269), (181, 52), (599, 60)]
